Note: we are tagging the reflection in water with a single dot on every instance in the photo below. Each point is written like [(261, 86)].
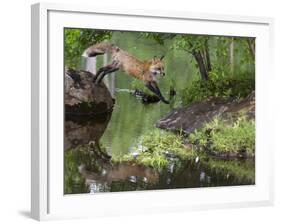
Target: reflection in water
[(88, 168), (111, 175), (81, 130)]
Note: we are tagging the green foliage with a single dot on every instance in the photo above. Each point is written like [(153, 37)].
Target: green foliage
[(223, 137), (159, 38), (243, 61), (77, 40), (190, 43), (221, 54), (215, 52), (245, 56), (218, 85)]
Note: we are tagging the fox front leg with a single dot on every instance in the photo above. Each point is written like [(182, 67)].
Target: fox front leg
[(152, 86)]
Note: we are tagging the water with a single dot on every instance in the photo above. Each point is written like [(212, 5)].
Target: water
[(88, 170)]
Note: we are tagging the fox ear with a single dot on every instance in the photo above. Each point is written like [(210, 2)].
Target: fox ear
[(161, 58), (154, 59)]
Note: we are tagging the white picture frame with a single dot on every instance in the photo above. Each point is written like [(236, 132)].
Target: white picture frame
[(48, 201)]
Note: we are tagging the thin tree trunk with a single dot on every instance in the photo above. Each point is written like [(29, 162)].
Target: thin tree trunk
[(202, 68), (208, 60), (231, 56), (251, 45)]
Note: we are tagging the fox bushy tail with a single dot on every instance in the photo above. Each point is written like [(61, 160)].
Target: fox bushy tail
[(98, 49)]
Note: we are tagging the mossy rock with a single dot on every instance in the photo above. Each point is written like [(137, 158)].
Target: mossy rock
[(193, 117)]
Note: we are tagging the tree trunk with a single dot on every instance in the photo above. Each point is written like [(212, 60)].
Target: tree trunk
[(251, 45), (202, 67), (231, 56), (208, 60)]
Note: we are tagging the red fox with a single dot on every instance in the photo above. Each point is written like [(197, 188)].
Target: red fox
[(146, 71)]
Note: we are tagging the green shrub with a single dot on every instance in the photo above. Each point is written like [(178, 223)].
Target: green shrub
[(218, 86)]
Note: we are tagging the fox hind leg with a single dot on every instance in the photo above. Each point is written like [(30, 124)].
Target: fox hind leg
[(105, 70), (101, 70)]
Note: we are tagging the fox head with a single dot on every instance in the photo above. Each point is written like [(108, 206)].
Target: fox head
[(157, 66)]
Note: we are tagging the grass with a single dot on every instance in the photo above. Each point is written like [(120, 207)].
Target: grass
[(218, 137), (154, 148), (222, 136)]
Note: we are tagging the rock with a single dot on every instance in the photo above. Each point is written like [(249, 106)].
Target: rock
[(194, 116), (82, 96)]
